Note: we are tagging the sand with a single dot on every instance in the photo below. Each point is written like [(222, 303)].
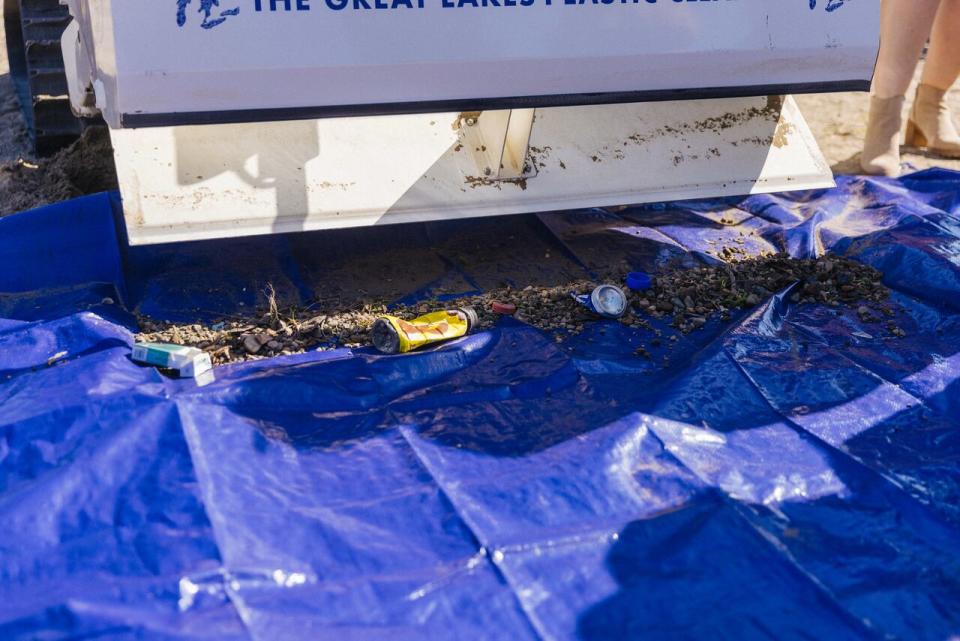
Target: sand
[(839, 122)]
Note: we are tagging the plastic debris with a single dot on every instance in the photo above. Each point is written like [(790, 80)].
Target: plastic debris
[(187, 362), (639, 281)]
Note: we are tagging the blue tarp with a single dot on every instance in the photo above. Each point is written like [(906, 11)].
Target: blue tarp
[(791, 474)]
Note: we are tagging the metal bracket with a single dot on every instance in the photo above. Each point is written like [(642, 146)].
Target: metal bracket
[(499, 141)]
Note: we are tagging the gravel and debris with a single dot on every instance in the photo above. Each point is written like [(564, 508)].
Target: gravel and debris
[(684, 299), (690, 296)]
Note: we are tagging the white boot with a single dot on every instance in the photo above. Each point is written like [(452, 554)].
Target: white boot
[(931, 124), (881, 147)]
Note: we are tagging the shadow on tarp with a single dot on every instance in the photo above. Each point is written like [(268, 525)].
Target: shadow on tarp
[(347, 267), (792, 473)]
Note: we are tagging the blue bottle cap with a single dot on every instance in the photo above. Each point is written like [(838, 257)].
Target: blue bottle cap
[(639, 281)]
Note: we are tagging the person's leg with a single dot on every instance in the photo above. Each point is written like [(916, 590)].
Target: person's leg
[(931, 123), (905, 26), (943, 59)]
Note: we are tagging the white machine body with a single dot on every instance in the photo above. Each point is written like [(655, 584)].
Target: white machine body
[(233, 117), (206, 181)]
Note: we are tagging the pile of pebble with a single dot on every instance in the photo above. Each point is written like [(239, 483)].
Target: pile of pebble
[(685, 298)]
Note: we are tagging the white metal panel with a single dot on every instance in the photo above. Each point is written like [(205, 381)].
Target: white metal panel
[(208, 181), (198, 56)]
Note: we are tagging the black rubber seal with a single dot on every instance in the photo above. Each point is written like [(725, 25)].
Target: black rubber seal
[(173, 119)]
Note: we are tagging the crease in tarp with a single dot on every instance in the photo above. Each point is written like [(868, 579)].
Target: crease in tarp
[(484, 550), (221, 580), (501, 485), (804, 420), (837, 446)]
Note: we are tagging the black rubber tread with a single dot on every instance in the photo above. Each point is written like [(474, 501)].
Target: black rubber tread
[(33, 31), (50, 82)]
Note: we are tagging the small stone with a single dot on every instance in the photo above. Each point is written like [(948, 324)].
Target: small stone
[(274, 345), (753, 300), (251, 344)]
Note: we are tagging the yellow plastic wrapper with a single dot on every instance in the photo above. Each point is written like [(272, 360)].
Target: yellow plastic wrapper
[(393, 335)]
